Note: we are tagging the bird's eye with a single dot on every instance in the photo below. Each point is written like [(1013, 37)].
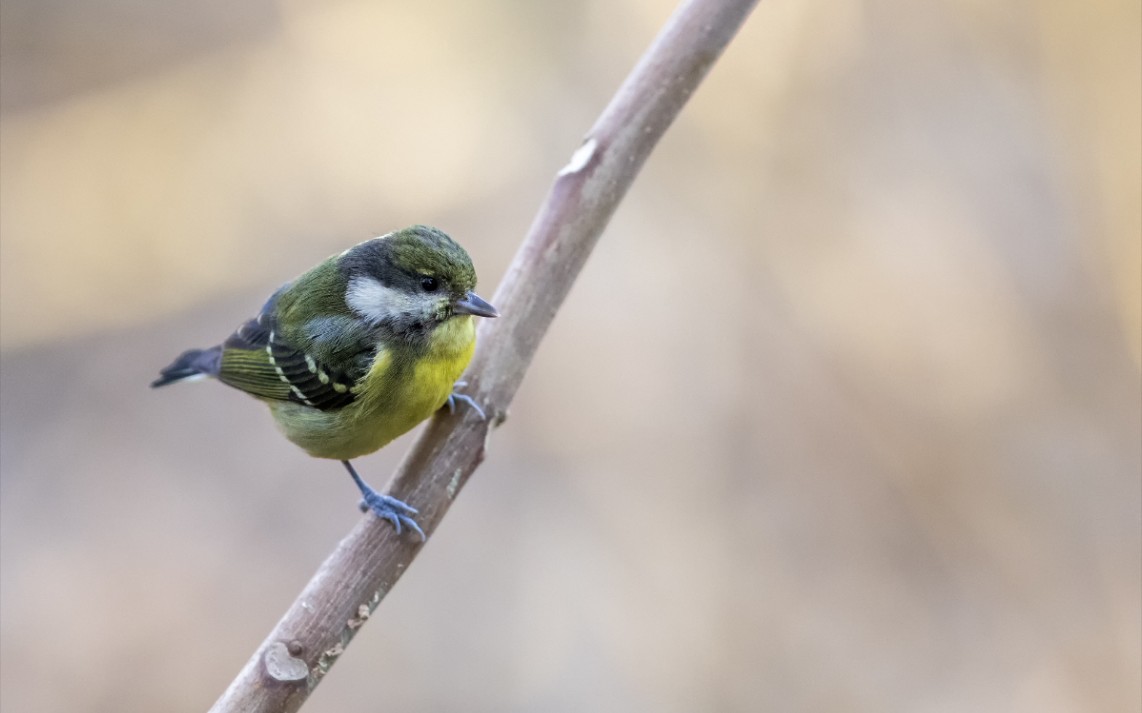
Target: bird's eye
[(429, 284)]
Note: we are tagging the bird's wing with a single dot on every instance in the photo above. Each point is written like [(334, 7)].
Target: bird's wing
[(262, 362)]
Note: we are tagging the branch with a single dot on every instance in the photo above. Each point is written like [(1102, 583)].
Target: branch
[(368, 562)]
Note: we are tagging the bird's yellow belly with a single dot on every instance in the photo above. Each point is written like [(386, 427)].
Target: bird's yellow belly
[(396, 395)]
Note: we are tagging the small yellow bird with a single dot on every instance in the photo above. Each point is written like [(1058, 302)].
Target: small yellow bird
[(358, 350)]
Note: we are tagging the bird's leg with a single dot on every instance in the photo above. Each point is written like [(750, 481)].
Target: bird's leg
[(457, 396), (384, 506)]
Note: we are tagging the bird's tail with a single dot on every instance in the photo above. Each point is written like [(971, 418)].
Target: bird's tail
[(192, 363)]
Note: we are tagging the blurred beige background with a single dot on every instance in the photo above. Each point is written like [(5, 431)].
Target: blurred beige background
[(843, 415)]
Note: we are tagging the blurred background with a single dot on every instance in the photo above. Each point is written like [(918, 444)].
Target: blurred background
[(843, 414)]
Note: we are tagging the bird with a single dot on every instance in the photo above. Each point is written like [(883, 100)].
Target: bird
[(357, 351)]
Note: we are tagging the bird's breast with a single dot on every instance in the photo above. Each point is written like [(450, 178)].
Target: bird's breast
[(401, 389)]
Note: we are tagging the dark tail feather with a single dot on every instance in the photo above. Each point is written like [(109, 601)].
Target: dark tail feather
[(192, 363)]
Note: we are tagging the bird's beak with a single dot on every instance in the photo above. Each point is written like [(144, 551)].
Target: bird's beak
[(474, 304)]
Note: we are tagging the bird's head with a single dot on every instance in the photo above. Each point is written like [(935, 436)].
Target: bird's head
[(410, 281)]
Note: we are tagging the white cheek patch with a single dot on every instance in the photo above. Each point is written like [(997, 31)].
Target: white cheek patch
[(374, 301)]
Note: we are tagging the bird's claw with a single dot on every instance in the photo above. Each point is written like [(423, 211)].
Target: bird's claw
[(386, 507), (395, 511), (387, 502), (456, 396)]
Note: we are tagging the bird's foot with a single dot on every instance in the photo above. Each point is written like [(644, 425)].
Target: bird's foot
[(395, 511), (386, 507), (457, 396)]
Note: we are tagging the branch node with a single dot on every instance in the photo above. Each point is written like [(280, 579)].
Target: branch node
[(580, 158), (282, 665)]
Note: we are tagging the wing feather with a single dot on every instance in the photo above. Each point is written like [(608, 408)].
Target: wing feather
[(260, 361)]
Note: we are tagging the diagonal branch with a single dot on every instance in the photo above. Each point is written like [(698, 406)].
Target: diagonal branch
[(368, 562)]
